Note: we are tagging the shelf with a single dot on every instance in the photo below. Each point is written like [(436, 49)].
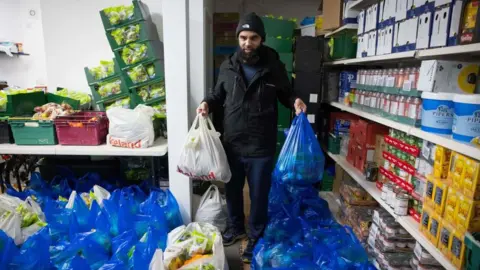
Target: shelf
[(362, 4), (19, 53), (407, 222), (464, 50), (350, 26), (159, 148), (446, 141)]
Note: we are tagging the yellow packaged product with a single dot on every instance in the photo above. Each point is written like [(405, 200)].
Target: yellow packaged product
[(425, 220), (467, 214), (450, 205), (445, 238), (441, 162), (457, 165), (457, 248), (439, 196), (429, 191), (434, 228), (470, 182)]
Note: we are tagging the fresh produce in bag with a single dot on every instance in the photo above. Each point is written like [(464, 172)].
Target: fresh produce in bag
[(82, 97), (106, 69), (160, 109), (51, 110), (150, 70), (126, 34), (134, 53), (119, 14), (131, 128), (212, 209), (196, 246), (138, 74), (151, 91), (123, 103), (203, 156), (301, 160), (110, 88), (3, 101), (20, 219)]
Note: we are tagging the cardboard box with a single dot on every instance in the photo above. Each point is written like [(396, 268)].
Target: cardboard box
[(447, 76), (364, 154), (366, 132), (440, 27), (332, 14), (380, 146), (424, 30)]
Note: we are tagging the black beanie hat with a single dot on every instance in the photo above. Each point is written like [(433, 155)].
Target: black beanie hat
[(251, 22)]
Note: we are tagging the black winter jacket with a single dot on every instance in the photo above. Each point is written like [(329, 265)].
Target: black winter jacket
[(250, 111)]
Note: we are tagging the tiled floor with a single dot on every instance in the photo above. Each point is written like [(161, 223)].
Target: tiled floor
[(233, 257)]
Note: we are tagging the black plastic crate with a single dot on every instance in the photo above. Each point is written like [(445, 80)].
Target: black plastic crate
[(6, 135)]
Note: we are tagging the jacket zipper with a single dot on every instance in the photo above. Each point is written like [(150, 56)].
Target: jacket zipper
[(232, 99), (260, 95)]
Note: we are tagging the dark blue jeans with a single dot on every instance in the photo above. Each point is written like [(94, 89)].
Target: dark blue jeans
[(258, 172)]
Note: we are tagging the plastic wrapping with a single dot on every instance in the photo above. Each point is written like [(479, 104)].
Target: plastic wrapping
[(301, 160)]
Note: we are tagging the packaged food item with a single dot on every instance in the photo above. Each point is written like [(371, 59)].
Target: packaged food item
[(400, 78), (51, 110), (127, 34), (160, 109), (152, 91), (119, 14), (457, 248), (457, 166), (394, 105), (425, 220), (106, 69), (423, 256), (467, 214), (440, 194), (123, 103), (428, 199), (445, 238), (442, 162), (434, 227), (401, 204), (110, 88), (134, 53), (450, 205), (138, 74), (470, 179)]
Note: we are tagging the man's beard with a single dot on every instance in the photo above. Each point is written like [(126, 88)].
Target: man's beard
[(250, 58)]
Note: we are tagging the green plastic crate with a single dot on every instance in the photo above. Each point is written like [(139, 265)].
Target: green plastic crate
[(278, 28), (102, 105), (343, 45), (140, 12), (159, 74), (472, 251), (91, 81), (154, 51), (327, 182), (123, 90), (59, 100), (33, 132), (23, 104), (280, 45), (334, 144), (147, 32), (138, 99), (287, 59)]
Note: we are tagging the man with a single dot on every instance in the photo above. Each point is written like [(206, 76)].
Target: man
[(248, 86)]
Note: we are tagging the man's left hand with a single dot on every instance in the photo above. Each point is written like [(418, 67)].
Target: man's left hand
[(300, 106)]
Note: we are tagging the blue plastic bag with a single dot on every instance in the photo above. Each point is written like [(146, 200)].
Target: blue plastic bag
[(301, 160), (122, 244), (167, 204), (34, 253), (8, 249), (75, 263), (145, 249)]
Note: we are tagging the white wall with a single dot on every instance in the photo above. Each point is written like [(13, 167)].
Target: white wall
[(75, 38), (287, 8), (17, 25)]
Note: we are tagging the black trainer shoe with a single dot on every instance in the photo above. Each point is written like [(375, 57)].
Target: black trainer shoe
[(248, 251), (232, 235)]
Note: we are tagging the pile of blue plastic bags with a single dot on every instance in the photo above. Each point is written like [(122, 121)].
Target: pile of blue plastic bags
[(80, 228), (301, 233)]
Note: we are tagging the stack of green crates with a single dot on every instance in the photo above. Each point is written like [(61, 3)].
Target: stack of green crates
[(279, 36), (139, 65)]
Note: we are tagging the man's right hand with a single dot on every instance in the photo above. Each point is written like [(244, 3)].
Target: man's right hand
[(203, 109)]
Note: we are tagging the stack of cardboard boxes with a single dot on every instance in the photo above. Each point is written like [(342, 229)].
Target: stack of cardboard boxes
[(361, 148)]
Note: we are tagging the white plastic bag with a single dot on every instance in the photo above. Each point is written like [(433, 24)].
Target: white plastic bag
[(203, 156), (157, 261), (100, 194), (131, 128), (180, 243), (212, 209)]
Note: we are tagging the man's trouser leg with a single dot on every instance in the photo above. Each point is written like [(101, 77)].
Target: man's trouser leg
[(259, 171), (234, 193)]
